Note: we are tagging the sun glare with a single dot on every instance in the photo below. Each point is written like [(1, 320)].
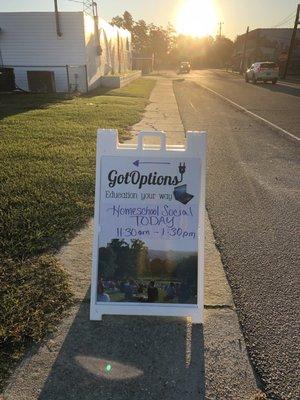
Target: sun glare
[(196, 18)]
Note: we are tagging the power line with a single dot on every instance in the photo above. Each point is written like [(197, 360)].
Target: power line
[(285, 20), (88, 6), (77, 1)]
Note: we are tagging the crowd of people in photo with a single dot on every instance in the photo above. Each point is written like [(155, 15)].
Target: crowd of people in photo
[(144, 291)]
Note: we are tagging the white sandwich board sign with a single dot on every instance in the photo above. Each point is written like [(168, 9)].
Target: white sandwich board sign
[(148, 251)]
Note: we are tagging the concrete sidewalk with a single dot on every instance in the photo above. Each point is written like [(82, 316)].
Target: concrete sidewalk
[(152, 358)]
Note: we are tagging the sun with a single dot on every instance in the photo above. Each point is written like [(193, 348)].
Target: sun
[(196, 18)]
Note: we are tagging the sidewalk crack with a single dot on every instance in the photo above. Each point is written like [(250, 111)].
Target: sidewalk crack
[(218, 306)]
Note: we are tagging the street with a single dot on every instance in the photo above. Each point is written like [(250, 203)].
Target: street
[(279, 104), (149, 200), (253, 205)]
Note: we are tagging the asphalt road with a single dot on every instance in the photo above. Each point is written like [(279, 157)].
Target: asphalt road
[(253, 205), (279, 104)]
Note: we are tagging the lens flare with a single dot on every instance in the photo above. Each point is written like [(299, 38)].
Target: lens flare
[(196, 18), (107, 368)]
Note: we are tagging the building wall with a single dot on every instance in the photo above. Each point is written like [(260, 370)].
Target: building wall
[(92, 57), (28, 41), (60, 76), (267, 45), (115, 44)]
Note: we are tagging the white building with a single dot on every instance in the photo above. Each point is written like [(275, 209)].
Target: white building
[(71, 53)]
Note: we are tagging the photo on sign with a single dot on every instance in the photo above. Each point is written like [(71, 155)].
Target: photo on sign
[(149, 219), (130, 271)]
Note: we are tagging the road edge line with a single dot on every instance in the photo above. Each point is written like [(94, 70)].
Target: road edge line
[(265, 121)]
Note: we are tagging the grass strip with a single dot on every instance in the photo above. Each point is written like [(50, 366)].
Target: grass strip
[(47, 169), (34, 295), (47, 153)]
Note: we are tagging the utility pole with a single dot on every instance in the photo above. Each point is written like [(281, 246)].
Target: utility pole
[(90, 7), (242, 66), (220, 28), (292, 43)]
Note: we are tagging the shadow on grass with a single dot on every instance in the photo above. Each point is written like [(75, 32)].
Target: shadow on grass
[(125, 357), (17, 103), (100, 91)]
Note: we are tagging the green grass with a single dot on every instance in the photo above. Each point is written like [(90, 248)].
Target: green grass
[(34, 294), (47, 153), (47, 169), (134, 90)]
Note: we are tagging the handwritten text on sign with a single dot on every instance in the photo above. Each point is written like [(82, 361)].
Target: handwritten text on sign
[(153, 199)]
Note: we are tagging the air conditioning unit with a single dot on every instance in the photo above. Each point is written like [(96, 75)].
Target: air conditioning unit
[(7, 80)]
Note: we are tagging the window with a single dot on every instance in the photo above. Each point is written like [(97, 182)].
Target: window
[(269, 65)]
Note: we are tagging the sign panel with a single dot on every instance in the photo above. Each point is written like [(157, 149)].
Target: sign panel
[(148, 244)]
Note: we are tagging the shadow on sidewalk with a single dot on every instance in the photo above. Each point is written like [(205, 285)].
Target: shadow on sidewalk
[(128, 358)]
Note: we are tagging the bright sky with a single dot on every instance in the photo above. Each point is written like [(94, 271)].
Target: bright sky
[(196, 17)]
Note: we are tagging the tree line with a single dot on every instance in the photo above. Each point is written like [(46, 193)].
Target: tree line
[(169, 49), (120, 260)]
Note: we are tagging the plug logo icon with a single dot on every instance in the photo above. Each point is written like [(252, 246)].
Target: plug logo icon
[(180, 193), (182, 168)]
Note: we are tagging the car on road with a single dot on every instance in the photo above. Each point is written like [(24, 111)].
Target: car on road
[(184, 67), (262, 71)]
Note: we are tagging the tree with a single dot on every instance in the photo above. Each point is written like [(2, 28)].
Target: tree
[(160, 42), (156, 267), (140, 37), (147, 39), (120, 260), (117, 21), (202, 52), (161, 268), (222, 51), (169, 49), (107, 262), (186, 270), (125, 21), (128, 21), (140, 257), (124, 260)]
